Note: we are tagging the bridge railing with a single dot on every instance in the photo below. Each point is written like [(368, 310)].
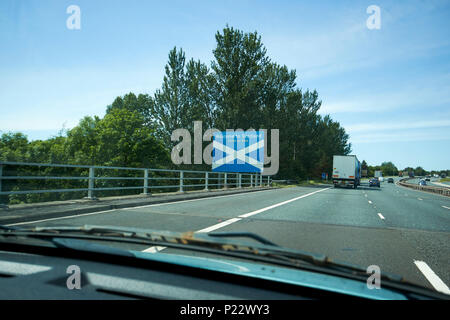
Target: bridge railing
[(19, 178)]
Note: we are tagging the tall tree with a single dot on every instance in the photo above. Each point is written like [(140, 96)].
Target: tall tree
[(82, 141), (170, 107), (239, 62), (364, 165), (142, 104), (419, 171), (199, 82), (389, 169)]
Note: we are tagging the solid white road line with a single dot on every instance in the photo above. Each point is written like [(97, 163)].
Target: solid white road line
[(233, 220), (60, 218), (441, 184), (381, 216), (150, 205), (435, 281), (446, 207), (154, 249), (190, 200), (218, 226), (279, 204)]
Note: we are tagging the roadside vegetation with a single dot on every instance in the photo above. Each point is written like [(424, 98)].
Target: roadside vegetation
[(241, 88), (388, 169)]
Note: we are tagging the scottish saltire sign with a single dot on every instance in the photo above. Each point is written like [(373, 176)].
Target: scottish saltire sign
[(241, 151)]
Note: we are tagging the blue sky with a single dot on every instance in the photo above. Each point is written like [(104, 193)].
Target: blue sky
[(390, 88)]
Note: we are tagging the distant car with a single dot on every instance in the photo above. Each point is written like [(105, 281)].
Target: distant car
[(422, 183), (427, 179), (374, 182), (391, 180)]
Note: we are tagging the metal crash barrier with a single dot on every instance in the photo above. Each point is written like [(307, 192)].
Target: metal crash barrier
[(433, 189), (21, 178)]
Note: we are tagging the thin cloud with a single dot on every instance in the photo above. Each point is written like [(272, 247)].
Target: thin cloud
[(437, 93), (400, 137), (376, 126)]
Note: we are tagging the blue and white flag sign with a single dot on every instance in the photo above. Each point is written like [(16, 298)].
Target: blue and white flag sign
[(241, 151)]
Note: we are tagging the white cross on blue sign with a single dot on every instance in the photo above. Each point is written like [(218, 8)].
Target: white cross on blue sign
[(241, 151)]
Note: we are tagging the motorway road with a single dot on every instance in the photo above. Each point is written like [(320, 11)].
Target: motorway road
[(432, 182), (392, 226)]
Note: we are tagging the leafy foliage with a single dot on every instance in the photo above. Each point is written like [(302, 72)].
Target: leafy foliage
[(241, 89)]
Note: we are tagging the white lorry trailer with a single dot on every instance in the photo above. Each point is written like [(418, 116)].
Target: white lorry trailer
[(346, 171), (379, 174)]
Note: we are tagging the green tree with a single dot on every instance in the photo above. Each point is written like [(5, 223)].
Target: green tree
[(170, 107), (419, 171), (122, 139), (142, 104), (364, 165), (242, 89), (14, 147), (389, 169), (199, 83), (82, 141), (239, 63), (331, 140)]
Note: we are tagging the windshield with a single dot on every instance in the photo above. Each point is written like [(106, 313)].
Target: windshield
[(284, 120)]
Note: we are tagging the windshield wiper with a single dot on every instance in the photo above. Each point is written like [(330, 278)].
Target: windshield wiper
[(242, 235), (207, 242), (266, 251)]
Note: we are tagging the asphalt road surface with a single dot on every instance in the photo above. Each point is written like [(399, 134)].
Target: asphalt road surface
[(433, 182), (403, 231)]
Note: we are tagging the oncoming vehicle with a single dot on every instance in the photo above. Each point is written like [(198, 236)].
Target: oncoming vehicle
[(390, 180), (374, 182)]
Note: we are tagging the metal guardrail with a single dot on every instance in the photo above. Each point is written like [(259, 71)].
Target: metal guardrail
[(286, 181), (439, 190), (148, 177)]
